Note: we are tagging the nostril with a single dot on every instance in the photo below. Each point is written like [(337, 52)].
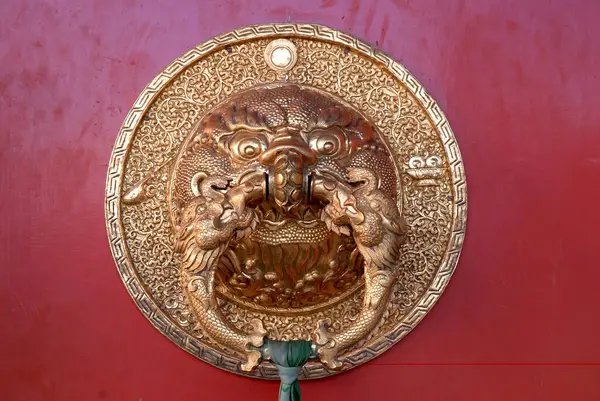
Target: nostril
[(303, 152)]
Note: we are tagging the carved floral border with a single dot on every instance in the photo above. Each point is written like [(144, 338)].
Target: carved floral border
[(116, 173)]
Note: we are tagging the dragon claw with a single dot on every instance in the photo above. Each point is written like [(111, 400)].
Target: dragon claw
[(252, 361), (328, 356), (321, 335), (326, 345), (257, 334), (256, 338)]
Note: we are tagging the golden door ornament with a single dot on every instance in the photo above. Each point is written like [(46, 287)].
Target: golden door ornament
[(285, 182)]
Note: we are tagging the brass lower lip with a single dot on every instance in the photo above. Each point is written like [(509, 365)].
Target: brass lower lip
[(223, 291), (276, 224)]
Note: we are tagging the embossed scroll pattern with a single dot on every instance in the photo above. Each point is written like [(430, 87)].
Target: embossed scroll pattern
[(409, 121)]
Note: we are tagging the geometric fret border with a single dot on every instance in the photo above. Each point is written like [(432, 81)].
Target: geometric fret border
[(115, 178)]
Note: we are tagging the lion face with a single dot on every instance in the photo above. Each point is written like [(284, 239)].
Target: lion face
[(291, 260)]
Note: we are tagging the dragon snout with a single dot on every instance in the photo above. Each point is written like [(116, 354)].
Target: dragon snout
[(288, 144), (286, 160)]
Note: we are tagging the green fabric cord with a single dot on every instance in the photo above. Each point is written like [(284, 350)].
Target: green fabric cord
[(289, 357)]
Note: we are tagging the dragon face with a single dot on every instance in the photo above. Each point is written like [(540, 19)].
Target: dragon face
[(288, 133)]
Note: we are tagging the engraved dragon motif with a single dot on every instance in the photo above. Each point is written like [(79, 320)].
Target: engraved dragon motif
[(372, 218), (276, 189), (208, 224)]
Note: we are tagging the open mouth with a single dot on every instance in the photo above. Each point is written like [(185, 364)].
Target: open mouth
[(303, 215)]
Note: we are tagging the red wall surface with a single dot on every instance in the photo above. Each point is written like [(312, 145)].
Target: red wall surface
[(519, 82)]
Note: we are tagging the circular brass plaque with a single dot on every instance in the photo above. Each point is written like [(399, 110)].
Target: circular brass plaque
[(150, 175)]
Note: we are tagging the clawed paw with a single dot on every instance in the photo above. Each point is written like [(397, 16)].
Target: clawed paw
[(326, 345), (252, 361), (321, 335), (256, 336), (328, 357)]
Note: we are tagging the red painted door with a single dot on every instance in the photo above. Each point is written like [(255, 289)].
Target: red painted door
[(519, 83)]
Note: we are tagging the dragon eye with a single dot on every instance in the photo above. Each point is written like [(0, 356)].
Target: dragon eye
[(249, 148), (330, 143), (246, 146)]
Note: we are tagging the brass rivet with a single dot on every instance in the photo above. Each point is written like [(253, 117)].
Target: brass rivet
[(281, 55)]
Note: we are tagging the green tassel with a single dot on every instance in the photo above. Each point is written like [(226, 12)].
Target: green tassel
[(289, 357)]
